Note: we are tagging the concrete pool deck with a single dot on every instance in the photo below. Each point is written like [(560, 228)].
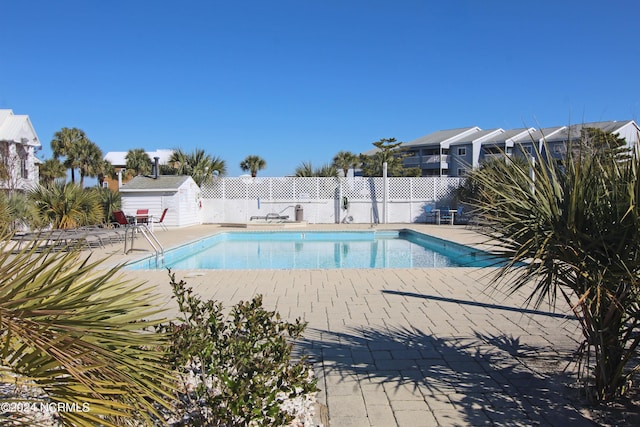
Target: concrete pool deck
[(407, 347)]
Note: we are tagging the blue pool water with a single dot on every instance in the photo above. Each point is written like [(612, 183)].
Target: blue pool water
[(316, 250)]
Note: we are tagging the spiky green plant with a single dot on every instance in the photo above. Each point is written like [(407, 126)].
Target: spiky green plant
[(80, 333), (110, 200), (572, 229), (6, 214), (64, 205)]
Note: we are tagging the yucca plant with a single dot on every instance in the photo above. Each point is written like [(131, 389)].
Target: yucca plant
[(111, 201), (573, 230), (6, 213), (63, 205), (80, 334)]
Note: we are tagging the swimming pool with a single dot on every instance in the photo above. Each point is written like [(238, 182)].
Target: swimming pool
[(279, 250)]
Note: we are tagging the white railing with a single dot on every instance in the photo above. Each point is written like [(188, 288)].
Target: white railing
[(426, 159), (324, 200)]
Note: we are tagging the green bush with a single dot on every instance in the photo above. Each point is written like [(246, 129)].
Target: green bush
[(572, 230), (236, 368), (63, 205)]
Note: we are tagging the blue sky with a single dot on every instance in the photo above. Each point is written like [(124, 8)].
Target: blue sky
[(299, 80)]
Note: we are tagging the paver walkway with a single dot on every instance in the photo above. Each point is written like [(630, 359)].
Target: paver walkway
[(412, 347)]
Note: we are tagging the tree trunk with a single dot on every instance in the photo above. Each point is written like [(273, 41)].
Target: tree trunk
[(607, 336)]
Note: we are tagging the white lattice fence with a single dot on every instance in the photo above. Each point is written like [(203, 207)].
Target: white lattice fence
[(239, 199)]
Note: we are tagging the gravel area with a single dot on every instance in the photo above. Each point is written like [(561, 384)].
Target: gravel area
[(28, 404)]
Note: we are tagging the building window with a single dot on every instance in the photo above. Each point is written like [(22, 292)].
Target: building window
[(462, 151), (24, 171), (462, 172), (528, 150), (559, 149)]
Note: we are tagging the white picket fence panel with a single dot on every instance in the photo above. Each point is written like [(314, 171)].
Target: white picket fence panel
[(322, 200)]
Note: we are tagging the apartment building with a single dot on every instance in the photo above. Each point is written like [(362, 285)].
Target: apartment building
[(453, 152)]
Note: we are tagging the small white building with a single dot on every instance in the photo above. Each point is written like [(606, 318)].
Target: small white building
[(18, 145), (177, 193)]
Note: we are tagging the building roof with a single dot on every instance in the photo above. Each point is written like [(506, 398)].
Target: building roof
[(506, 135), (443, 136), (475, 136), (573, 132), (145, 183), (539, 135), (118, 158), (17, 129)]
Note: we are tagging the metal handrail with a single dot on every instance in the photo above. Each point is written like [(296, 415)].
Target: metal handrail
[(147, 233)]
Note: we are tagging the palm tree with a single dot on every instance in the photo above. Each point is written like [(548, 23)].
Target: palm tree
[(79, 332), (180, 161), (307, 170), (106, 169), (138, 162), (110, 201), (63, 205), (573, 230), (50, 170), (218, 164), (88, 159), (203, 166), (64, 144), (346, 160), (197, 164), (253, 164)]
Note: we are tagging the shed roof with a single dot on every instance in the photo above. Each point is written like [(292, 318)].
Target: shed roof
[(144, 183)]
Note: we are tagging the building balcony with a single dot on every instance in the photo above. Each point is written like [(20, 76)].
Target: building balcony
[(486, 157), (434, 161)]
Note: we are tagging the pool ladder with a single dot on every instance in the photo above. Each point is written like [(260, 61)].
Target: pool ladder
[(148, 234)]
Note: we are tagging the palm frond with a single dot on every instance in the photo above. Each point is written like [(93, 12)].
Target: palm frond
[(80, 333)]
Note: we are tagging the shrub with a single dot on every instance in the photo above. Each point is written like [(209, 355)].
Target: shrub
[(572, 230), (63, 205), (236, 369)]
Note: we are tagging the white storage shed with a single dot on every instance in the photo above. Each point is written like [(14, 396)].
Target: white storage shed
[(177, 193)]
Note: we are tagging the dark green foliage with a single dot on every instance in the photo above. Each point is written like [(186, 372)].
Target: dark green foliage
[(390, 151), (346, 160), (110, 200), (199, 165), (138, 162), (242, 361), (63, 205), (306, 170), (572, 231), (253, 164)]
